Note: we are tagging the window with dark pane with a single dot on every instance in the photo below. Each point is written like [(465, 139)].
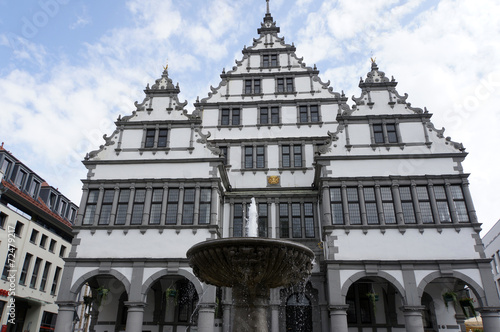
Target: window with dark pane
[(297, 156), (55, 281), (309, 220), (264, 117), (296, 222), (188, 207), (285, 156), (314, 113), (52, 245), (224, 117), (172, 206), (303, 114), (425, 205), (45, 274), (392, 136), (150, 138), (162, 138), (442, 204), (138, 207), (34, 235), (88, 218), (407, 205), (284, 223), (121, 210), (261, 158), (238, 220), (353, 206), (371, 205), (235, 116), (263, 217), (280, 82), (24, 270), (34, 274), (266, 60), (43, 240), (6, 267), (289, 84), (256, 86), (156, 203), (274, 60), (459, 201), (378, 133), (388, 205), (275, 115), (205, 204), (107, 203), (248, 86), (248, 157), (336, 206)]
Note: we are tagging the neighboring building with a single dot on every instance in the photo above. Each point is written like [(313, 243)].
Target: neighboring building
[(35, 236), (492, 249), (375, 189)]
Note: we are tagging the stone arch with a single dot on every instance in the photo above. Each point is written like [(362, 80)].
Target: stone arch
[(475, 287), (308, 290), (77, 285), (381, 274), (164, 272)]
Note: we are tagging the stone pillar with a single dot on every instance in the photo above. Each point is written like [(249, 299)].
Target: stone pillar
[(413, 318), (226, 307), (65, 316), (275, 309), (491, 318), (250, 309), (338, 318), (461, 322), (206, 317), (135, 314)]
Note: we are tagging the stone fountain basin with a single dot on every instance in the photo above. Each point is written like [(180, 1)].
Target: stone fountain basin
[(250, 262)]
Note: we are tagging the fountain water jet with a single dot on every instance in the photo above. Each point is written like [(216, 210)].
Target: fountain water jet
[(251, 266)]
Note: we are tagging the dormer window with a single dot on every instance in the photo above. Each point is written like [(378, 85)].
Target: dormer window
[(21, 179), (156, 138), (270, 60), (35, 187), (252, 86)]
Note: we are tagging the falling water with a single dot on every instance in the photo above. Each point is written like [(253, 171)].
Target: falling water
[(252, 220)]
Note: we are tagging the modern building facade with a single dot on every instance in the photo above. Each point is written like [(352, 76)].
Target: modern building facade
[(36, 231), (374, 189)]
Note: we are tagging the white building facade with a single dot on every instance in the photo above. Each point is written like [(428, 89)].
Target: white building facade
[(374, 189)]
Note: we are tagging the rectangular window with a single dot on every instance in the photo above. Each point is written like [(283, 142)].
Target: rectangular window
[(284, 85), (205, 206), (291, 156), (6, 166), (62, 251), (238, 220), (21, 179), (260, 161), (18, 229), (392, 136), (188, 207), (263, 219), (52, 245), (55, 281), (24, 271), (336, 206), (424, 205), (442, 204), (225, 117), (388, 205), (235, 112), (138, 207), (156, 203), (371, 206), (34, 275), (309, 219), (284, 223), (269, 60), (35, 187), (3, 220), (88, 218), (10, 259), (407, 205), (269, 115), (107, 203), (353, 206), (384, 133), (121, 210), (459, 201), (296, 224), (309, 113), (260, 157), (34, 235), (252, 86), (172, 206), (162, 138), (150, 138), (43, 241)]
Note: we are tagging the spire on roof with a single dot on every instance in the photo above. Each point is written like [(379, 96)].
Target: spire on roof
[(376, 78), (268, 25)]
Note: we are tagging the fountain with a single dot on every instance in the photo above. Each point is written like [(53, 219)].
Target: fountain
[(251, 266)]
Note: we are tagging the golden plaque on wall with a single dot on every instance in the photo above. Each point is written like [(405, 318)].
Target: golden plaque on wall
[(273, 179)]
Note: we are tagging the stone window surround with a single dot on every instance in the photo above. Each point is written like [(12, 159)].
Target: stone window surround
[(274, 218), (147, 204), (231, 109), (269, 108), (308, 105), (253, 86), (270, 60), (291, 144), (285, 79), (157, 128), (254, 148), (394, 184)]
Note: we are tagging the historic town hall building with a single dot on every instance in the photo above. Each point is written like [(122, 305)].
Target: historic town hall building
[(374, 188)]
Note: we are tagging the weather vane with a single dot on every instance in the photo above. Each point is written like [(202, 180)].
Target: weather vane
[(166, 66)]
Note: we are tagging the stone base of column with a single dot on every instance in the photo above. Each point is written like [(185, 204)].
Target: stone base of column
[(135, 316), (65, 316), (413, 318), (206, 317), (338, 317), (491, 318)]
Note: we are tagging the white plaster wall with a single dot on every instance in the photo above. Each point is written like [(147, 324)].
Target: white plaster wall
[(134, 244), (412, 245)]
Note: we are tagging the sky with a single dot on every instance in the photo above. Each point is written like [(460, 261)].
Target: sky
[(69, 68)]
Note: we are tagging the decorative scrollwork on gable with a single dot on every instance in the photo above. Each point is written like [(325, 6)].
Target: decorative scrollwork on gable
[(204, 140), (332, 137), (108, 141), (141, 106)]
